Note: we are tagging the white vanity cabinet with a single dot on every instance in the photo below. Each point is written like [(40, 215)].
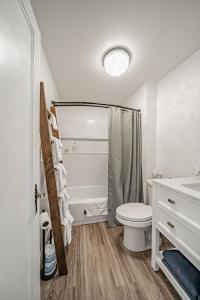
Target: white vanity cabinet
[(176, 214)]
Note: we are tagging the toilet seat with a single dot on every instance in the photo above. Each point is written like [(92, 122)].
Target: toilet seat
[(134, 212)]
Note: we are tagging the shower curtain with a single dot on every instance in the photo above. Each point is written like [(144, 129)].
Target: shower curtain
[(124, 161)]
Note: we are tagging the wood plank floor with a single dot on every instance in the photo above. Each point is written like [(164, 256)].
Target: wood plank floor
[(100, 268)]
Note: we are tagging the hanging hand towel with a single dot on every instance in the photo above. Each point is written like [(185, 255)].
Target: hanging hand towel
[(60, 174), (53, 122), (63, 168), (67, 233), (65, 200), (56, 149), (63, 205)]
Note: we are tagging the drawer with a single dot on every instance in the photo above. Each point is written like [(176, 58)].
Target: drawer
[(185, 208), (179, 233)]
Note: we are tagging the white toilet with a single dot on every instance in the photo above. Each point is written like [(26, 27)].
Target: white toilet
[(137, 220)]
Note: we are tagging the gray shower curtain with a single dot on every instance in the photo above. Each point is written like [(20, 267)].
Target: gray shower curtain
[(125, 160)]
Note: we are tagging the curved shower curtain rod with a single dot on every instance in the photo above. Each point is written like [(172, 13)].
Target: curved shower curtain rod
[(94, 104)]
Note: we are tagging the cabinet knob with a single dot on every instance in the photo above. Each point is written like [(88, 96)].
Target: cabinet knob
[(170, 224), (171, 201)]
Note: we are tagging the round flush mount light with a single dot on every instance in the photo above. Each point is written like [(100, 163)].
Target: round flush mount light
[(116, 61)]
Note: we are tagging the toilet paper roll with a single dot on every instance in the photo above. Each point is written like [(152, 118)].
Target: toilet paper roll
[(45, 221)]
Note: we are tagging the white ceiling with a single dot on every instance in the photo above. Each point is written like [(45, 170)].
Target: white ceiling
[(75, 34)]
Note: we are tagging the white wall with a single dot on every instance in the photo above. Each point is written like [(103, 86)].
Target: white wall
[(178, 126), (83, 122), (175, 143), (145, 99), (84, 133), (46, 76)]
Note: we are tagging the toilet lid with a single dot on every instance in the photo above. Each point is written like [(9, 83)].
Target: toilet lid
[(137, 212)]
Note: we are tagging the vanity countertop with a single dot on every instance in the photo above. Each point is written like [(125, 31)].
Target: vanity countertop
[(183, 185)]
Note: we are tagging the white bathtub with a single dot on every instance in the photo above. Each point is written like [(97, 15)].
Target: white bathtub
[(82, 198)]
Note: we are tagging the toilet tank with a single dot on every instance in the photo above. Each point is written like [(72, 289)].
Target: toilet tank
[(149, 186)]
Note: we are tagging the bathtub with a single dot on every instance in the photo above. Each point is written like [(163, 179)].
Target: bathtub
[(83, 198)]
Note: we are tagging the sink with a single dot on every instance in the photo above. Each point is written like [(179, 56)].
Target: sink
[(193, 186)]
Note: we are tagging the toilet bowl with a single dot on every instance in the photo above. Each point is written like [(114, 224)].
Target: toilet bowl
[(137, 221)]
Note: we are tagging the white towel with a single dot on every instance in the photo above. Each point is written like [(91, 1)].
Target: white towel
[(99, 207), (66, 195), (63, 205), (63, 168), (91, 212), (60, 183), (53, 122), (67, 233), (56, 149), (60, 174)]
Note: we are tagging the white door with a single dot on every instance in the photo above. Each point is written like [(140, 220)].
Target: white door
[(19, 151)]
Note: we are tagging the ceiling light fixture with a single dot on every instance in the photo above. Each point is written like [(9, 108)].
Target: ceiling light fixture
[(116, 61)]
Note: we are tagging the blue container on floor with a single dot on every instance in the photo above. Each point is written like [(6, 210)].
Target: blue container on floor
[(49, 265)]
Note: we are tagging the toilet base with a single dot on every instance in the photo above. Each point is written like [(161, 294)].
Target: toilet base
[(137, 238)]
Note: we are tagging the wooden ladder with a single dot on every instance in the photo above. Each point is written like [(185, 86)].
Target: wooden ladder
[(51, 184)]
